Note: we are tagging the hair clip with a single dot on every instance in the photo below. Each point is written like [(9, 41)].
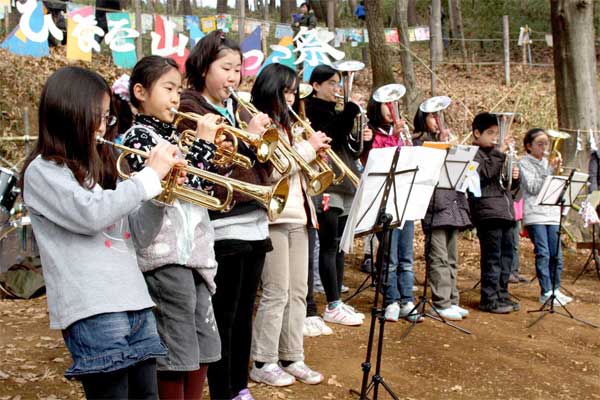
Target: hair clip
[(121, 88)]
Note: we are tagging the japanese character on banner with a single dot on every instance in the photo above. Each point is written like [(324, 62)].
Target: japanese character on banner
[(81, 30), (120, 38), (30, 37), (282, 53), (166, 44), (314, 49), (253, 55)]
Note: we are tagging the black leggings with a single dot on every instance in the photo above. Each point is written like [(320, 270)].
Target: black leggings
[(331, 261), (135, 382)]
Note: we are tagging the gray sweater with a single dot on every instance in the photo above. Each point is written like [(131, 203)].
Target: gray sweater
[(533, 174), (86, 242)]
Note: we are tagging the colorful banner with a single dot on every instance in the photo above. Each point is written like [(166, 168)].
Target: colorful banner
[(282, 53), (192, 24), (224, 22), (30, 37), (282, 31), (391, 35), (166, 44), (418, 34), (121, 39), (81, 30), (208, 24), (252, 51)]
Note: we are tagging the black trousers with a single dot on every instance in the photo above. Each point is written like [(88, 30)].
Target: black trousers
[(496, 245), (238, 276), (135, 382), (331, 261), (311, 306)]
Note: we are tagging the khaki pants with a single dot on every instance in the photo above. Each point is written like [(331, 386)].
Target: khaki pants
[(442, 256), (277, 333)]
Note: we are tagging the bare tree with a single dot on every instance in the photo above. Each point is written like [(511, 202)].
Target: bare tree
[(460, 32), (221, 6), (186, 7), (412, 12), (287, 6), (380, 59), (575, 73), (331, 15), (352, 4), (412, 97), (437, 45)]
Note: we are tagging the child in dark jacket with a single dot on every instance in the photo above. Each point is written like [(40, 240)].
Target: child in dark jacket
[(494, 217)]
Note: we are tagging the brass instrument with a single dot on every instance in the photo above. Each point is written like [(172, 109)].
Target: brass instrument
[(278, 157), (391, 95), (436, 105), (302, 123), (272, 197), (556, 137), (504, 121), (348, 69), (222, 155)]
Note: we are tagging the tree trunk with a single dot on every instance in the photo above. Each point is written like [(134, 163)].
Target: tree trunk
[(461, 33), (451, 23), (412, 13), (320, 9), (412, 96), (186, 7), (221, 6), (380, 59), (352, 4), (575, 74), (331, 15), (287, 6), (436, 43), (272, 7)]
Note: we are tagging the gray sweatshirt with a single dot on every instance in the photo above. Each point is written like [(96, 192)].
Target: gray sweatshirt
[(533, 174), (86, 242)]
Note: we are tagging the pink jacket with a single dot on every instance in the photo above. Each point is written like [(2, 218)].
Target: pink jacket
[(382, 140)]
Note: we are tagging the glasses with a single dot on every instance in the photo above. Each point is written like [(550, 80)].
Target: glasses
[(110, 120)]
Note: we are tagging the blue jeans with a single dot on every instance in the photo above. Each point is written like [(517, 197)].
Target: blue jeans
[(400, 275), (545, 238)]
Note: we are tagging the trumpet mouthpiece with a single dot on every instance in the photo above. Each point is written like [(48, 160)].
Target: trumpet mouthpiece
[(173, 110)]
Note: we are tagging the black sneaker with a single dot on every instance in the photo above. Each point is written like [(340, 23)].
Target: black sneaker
[(513, 304), (496, 308), (367, 265)]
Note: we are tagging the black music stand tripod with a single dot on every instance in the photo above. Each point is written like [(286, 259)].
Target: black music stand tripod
[(384, 224), (549, 306)]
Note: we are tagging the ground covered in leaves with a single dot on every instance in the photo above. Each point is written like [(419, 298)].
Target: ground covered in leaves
[(558, 358)]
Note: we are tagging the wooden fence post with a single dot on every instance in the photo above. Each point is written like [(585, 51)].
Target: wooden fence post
[(506, 41)]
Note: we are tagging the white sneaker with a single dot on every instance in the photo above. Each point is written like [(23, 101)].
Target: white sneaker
[(310, 327), (544, 298), (392, 312), (303, 373), (462, 311), (406, 309), (449, 313), (341, 315), (271, 374), (353, 310), (345, 289), (322, 326), (563, 298)]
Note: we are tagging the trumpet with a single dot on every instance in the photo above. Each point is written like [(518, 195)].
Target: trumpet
[(556, 136), (504, 121), (348, 68), (222, 155), (335, 159), (272, 197), (279, 157)]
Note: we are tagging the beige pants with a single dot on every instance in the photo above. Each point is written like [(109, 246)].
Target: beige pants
[(277, 333)]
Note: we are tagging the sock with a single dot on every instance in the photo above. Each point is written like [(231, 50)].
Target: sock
[(333, 304), (259, 364), (286, 363)]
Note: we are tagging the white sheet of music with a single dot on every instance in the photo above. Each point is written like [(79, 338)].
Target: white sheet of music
[(365, 206), (553, 187)]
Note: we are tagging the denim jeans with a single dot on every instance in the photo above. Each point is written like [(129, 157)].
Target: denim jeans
[(400, 274), (544, 238)]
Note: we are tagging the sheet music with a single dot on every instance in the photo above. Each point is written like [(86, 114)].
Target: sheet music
[(365, 206), (457, 161), (553, 187)]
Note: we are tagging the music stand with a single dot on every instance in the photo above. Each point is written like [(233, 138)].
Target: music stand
[(559, 191), (382, 218), (593, 257), (454, 172)]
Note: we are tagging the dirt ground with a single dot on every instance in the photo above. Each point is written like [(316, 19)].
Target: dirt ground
[(558, 358)]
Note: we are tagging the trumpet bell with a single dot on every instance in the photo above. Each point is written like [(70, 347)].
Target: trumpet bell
[(304, 90), (557, 134), (389, 93), (348, 65), (319, 182), (435, 104), (267, 145), (278, 198)]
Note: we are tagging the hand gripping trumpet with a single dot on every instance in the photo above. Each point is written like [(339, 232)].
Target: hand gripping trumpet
[(323, 166), (280, 159), (272, 197), (263, 145)]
